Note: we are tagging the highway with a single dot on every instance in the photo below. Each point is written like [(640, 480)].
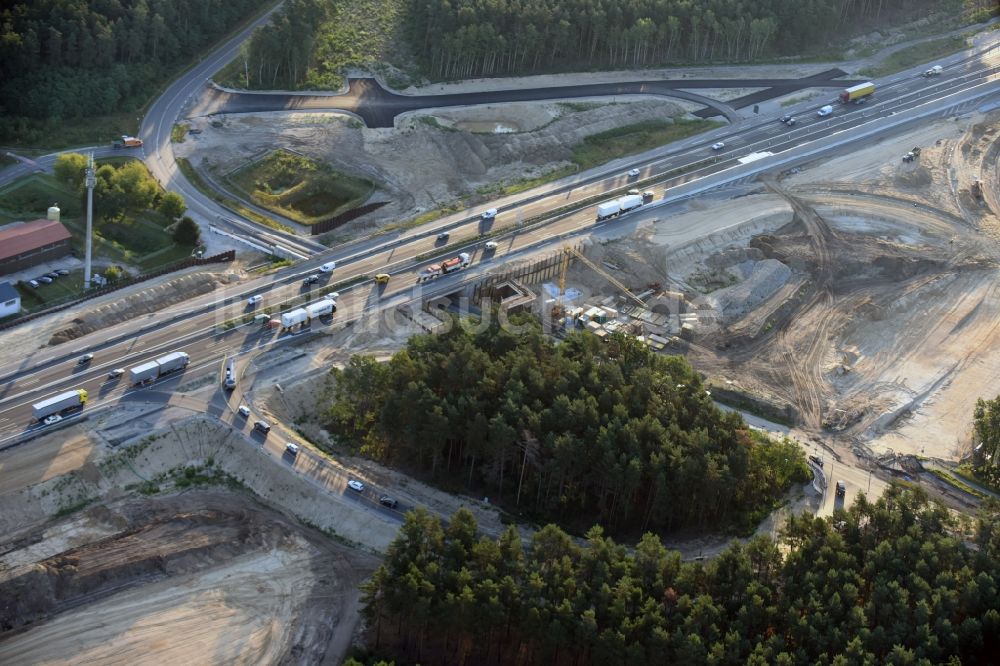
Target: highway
[(194, 325)]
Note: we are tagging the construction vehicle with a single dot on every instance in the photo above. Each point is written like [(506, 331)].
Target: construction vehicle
[(59, 403), (854, 93), (912, 155), (157, 368), (568, 253), (127, 142)]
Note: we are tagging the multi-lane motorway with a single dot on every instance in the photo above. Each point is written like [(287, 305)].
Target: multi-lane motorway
[(195, 325)]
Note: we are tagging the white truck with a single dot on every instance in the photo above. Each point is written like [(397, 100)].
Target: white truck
[(158, 367), (611, 209), (934, 71), (59, 403), (294, 317), (322, 307)]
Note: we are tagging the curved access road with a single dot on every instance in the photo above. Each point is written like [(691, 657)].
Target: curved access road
[(378, 107)]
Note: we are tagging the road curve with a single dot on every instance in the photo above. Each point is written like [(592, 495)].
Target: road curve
[(378, 107)]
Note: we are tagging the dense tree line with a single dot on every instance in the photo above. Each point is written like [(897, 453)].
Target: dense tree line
[(64, 59), (888, 582), (119, 191), (462, 38), (582, 428)]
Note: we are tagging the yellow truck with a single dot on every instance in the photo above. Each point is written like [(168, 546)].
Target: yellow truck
[(854, 93)]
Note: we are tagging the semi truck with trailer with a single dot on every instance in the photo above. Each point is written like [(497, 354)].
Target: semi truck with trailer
[(159, 367), (445, 267), (59, 403), (617, 207), (854, 93)]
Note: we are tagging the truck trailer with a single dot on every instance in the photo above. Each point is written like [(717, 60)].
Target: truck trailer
[(322, 307), (159, 367), (59, 403), (294, 318), (854, 93), (618, 206), (629, 202)]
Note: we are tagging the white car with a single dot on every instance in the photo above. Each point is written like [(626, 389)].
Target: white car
[(244, 411), (489, 214), (825, 111), (490, 245), (49, 420), (116, 373), (254, 300), (328, 266), (292, 448), (356, 485), (333, 295), (632, 173), (718, 146)]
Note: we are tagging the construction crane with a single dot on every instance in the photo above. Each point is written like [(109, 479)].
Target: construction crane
[(568, 252)]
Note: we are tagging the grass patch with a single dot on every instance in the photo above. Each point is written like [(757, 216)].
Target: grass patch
[(632, 139), (31, 196), (955, 482), (577, 107), (72, 508), (192, 175), (299, 188), (178, 133), (915, 55)]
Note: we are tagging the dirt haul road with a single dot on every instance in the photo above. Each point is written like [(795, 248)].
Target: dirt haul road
[(206, 577)]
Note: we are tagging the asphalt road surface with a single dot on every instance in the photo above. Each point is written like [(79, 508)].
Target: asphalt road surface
[(378, 107)]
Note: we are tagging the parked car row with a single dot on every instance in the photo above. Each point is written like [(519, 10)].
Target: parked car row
[(48, 278)]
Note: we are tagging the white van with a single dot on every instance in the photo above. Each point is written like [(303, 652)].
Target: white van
[(825, 111), (489, 214), (328, 266)]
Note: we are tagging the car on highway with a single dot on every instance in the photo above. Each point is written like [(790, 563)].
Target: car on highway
[(244, 411), (490, 245), (262, 427), (382, 278), (825, 111), (816, 460), (116, 373), (718, 146), (443, 236), (356, 485), (785, 118), (633, 192), (253, 301), (333, 295), (49, 420), (85, 359), (488, 214), (633, 173), (791, 122), (328, 267), (311, 279), (390, 502), (291, 447)]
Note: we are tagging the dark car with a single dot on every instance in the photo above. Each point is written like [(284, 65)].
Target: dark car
[(443, 236), (262, 426), (785, 119), (390, 502)]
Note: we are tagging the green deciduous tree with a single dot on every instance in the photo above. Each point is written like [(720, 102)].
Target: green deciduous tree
[(171, 205), (187, 232)]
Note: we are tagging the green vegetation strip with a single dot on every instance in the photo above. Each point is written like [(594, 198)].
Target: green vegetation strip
[(915, 55), (601, 148), (192, 175), (956, 483), (178, 133)]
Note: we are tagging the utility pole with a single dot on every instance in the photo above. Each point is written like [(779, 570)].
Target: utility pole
[(91, 181)]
